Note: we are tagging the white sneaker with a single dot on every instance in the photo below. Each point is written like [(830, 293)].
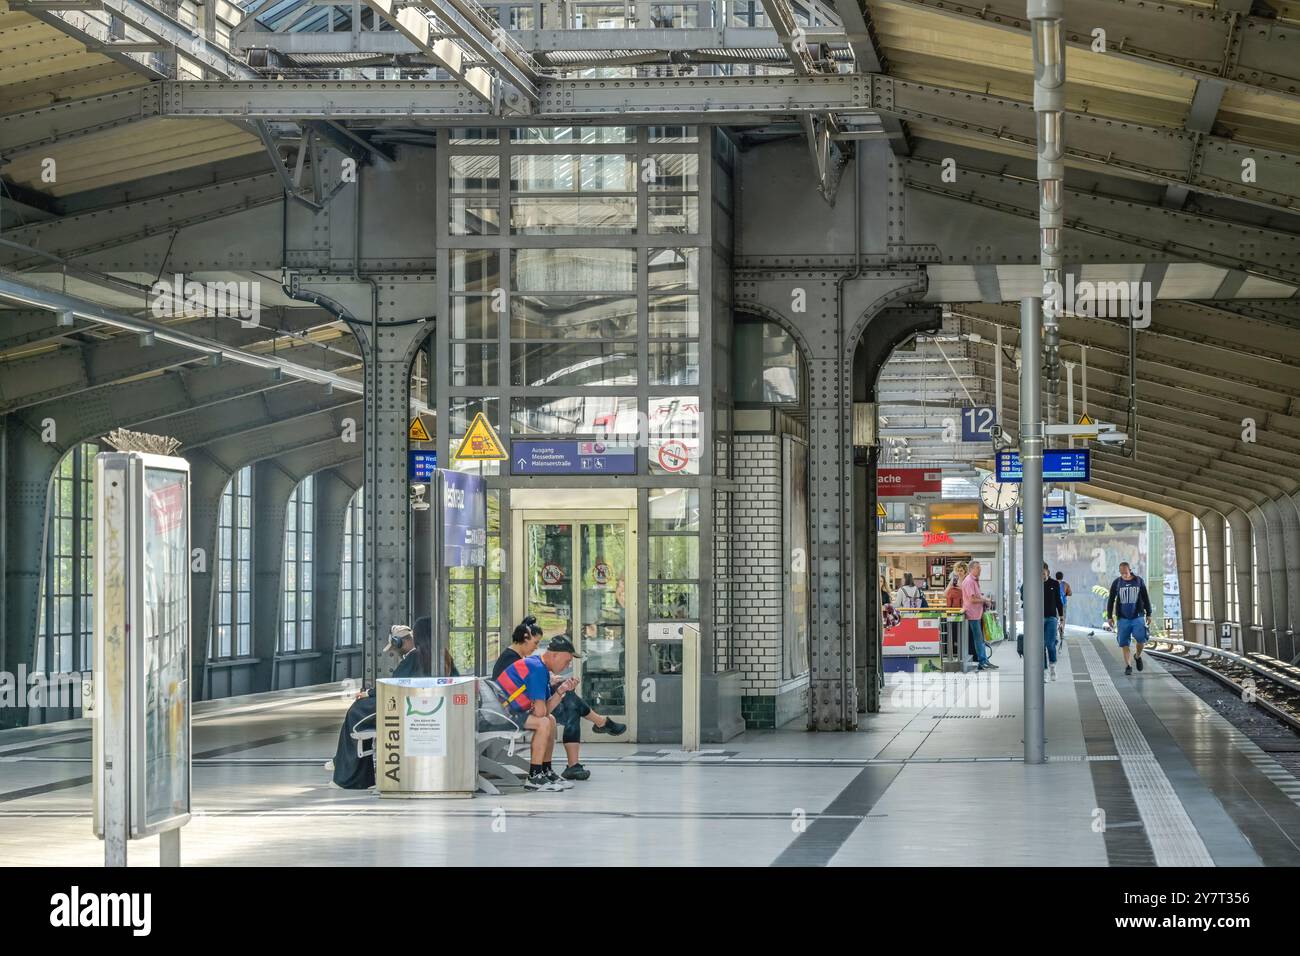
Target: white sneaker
[(539, 781), (1052, 670), (556, 778)]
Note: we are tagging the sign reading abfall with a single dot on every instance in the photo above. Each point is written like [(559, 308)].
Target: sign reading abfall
[(919, 484)]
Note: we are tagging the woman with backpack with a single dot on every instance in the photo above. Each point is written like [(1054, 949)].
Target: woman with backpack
[(909, 595)]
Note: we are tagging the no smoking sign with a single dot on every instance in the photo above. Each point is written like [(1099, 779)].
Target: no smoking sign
[(552, 575), (673, 456)]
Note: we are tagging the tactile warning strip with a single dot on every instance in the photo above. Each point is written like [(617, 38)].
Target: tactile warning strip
[(1174, 839)]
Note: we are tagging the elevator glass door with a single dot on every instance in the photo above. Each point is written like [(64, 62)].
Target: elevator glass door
[(577, 583)]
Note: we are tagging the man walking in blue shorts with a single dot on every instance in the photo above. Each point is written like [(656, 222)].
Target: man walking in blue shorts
[(1128, 596)]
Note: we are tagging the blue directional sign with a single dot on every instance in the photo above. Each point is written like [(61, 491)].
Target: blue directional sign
[(420, 465), (1055, 515), (530, 457), (977, 423), (1059, 464)]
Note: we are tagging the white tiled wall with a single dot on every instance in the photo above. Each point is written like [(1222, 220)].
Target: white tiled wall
[(760, 587)]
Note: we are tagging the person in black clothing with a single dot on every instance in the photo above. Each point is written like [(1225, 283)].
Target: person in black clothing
[(1053, 619), (416, 650), (523, 643), (571, 710)]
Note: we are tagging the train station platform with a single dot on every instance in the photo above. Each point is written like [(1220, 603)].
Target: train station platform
[(1140, 772)]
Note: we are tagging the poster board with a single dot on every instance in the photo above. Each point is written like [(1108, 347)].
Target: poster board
[(142, 749)]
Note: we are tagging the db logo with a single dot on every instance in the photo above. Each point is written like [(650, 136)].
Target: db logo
[(460, 698)]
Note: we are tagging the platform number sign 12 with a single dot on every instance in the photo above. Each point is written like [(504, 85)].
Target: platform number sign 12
[(977, 423)]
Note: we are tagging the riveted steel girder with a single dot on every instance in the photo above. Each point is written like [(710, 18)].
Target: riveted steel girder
[(84, 234), (612, 99), (1158, 154), (1252, 53), (69, 120), (1151, 232)]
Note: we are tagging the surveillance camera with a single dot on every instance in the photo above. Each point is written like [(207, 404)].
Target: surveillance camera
[(417, 497)]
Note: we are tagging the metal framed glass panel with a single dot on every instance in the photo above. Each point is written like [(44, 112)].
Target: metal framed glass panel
[(767, 368), (577, 580), (64, 625), (604, 271), (462, 604), (674, 547), (1230, 572), (352, 579), (232, 620), (299, 549), (164, 749), (1200, 572), (1256, 615)]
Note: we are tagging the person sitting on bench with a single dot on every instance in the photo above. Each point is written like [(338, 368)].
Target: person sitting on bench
[(357, 773), (571, 710)]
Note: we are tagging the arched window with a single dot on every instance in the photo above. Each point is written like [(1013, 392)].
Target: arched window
[(1256, 615), (299, 548), (767, 366), (352, 581), (1230, 572), (67, 611), (232, 618), (1201, 608)]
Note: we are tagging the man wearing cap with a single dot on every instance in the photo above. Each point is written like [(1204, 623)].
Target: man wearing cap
[(350, 772), (401, 642), (570, 714), (532, 701)]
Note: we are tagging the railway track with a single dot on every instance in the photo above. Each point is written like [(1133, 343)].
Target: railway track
[(1265, 681)]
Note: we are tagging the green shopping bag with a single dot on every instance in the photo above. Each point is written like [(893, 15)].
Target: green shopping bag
[(992, 628)]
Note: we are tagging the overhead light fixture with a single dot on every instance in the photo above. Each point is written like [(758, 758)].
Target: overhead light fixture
[(215, 359), (918, 431), (66, 320), (146, 339)]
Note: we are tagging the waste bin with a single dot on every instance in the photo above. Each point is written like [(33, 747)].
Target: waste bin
[(424, 742)]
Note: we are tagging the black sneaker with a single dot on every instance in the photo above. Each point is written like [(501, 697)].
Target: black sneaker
[(611, 727), (1128, 669), (540, 781), (1138, 661), (991, 666), (576, 771)]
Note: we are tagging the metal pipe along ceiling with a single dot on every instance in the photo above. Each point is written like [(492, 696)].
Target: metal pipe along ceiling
[(1049, 110)]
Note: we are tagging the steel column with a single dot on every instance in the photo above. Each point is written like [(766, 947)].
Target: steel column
[(1031, 503)]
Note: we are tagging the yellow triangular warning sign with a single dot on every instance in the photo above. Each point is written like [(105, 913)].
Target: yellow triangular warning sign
[(880, 511), (417, 431), (1085, 420), (480, 443)]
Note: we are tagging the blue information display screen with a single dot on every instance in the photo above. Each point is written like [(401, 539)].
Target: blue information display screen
[(528, 457), (420, 465), (1055, 515), (1059, 464)]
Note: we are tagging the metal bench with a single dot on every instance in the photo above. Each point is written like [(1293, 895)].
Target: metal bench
[(502, 742)]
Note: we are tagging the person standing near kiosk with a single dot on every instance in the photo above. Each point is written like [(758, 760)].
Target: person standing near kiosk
[(974, 603)]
